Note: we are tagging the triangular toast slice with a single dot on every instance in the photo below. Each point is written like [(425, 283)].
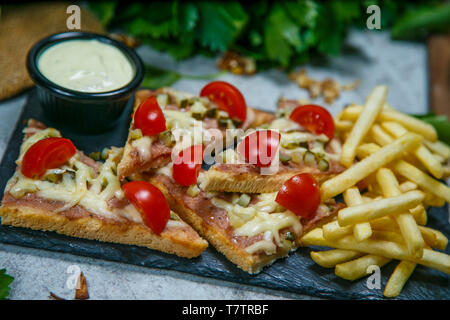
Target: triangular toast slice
[(83, 198), (300, 151), (182, 111), (251, 230)]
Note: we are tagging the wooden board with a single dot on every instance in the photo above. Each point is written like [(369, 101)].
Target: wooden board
[(439, 74)]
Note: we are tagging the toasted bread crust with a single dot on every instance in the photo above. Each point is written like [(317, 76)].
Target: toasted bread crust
[(251, 182), (251, 263), (179, 242)]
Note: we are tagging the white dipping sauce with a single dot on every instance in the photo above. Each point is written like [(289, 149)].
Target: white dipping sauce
[(86, 66)]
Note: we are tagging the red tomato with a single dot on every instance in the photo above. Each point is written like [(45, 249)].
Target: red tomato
[(149, 117), (260, 147), (187, 166), (315, 119), (227, 97), (46, 154), (300, 194), (150, 202)]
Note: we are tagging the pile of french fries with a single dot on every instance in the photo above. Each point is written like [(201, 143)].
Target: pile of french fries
[(396, 161)]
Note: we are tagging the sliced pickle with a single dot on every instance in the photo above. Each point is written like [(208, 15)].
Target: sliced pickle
[(193, 190), (285, 157), (309, 158), (136, 134), (244, 200), (167, 138), (323, 165)]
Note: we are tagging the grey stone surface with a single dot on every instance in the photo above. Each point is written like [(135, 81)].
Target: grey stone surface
[(371, 57)]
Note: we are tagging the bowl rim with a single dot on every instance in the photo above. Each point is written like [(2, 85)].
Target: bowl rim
[(53, 39)]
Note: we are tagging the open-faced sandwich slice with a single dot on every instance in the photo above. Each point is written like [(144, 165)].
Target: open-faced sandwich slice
[(58, 188), (251, 230), (166, 117), (304, 137)]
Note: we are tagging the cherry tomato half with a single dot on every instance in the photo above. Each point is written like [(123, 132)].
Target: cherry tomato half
[(260, 147), (315, 119), (149, 117), (227, 97), (300, 194), (187, 166), (46, 154), (150, 202)]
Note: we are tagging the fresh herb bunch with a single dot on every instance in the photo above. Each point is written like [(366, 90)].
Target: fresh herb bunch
[(284, 33)]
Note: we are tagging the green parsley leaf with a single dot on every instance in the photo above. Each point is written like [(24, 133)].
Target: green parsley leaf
[(220, 24), (5, 281)]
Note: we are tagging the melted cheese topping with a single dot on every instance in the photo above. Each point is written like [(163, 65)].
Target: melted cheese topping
[(143, 146), (264, 217)]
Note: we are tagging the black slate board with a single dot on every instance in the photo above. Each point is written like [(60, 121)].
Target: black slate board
[(297, 273)]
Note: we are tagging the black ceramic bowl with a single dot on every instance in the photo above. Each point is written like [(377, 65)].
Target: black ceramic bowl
[(86, 112)]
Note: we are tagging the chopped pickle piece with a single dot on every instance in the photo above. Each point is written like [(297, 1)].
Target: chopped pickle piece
[(193, 190), (95, 155), (297, 157), (167, 138), (136, 134), (174, 216), (323, 165), (285, 157), (52, 177), (244, 200), (104, 154), (212, 113), (309, 158), (290, 236), (163, 99)]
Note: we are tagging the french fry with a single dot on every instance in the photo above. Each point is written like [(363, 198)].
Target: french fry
[(398, 278), (410, 172), (433, 200), (379, 136), (422, 153), (393, 236), (352, 197), (408, 226), (438, 147), (434, 238), (407, 186), (384, 223), (343, 125), (373, 106), (420, 214), (422, 179), (330, 258), (365, 167), (332, 230), (410, 123), (377, 209), (357, 268), (430, 258)]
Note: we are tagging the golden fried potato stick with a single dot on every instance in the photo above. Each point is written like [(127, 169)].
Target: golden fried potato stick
[(408, 226), (433, 259), (365, 167), (352, 197), (398, 278), (439, 148), (332, 230), (422, 153), (330, 258), (357, 268), (374, 104), (408, 171), (409, 122), (377, 209)]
